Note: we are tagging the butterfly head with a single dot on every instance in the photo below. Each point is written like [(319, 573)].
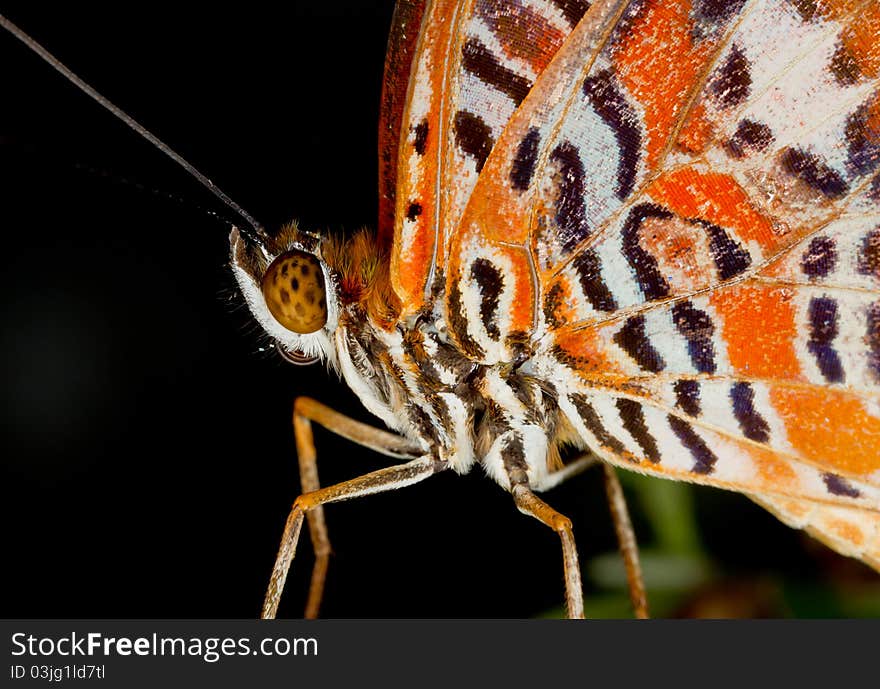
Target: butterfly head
[(289, 290)]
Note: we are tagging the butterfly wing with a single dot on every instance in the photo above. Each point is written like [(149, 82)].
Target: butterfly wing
[(474, 63), (852, 532), (682, 219), (405, 25)]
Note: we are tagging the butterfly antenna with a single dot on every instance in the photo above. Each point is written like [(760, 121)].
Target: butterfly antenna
[(253, 232)]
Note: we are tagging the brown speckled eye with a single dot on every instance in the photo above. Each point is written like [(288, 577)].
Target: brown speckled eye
[(293, 287)]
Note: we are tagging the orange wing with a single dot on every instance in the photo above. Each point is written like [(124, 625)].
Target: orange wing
[(475, 62), (398, 62), (680, 226)]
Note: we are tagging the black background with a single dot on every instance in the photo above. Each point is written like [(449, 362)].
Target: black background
[(148, 460)]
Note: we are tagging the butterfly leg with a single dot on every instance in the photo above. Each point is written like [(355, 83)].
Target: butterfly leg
[(305, 411), (573, 468), (626, 538), (528, 503), (379, 481)]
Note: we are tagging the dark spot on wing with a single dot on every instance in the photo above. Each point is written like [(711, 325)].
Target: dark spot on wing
[(869, 255), (524, 161), (572, 10), (808, 9), (837, 485), (594, 424), (730, 257), (588, 268), (473, 136), (479, 61), (749, 137), (634, 422), (458, 323), (687, 396), (872, 338), (697, 328), (704, 458), (552, 301), (633, 340), (609, 103), (652, 283), (421, 137), (814, 173), (863, 143), (571, 213), (732, 82), (819, 258), (823, 331), (844, 66), (489, 278), (717, 11), (752, 424)]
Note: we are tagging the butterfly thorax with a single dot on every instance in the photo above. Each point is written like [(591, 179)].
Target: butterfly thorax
[(408, 371), (411, 373), (417, 380)]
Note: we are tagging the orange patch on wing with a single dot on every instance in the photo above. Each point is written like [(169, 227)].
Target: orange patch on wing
[(522, 317), (696, 134), (414, 229), (462, 251), (846, 531), (759, 330), (410, 269), (682, 251), (716, 198), (794, 509), (659, 64), (836, 9), (499, 221), (558, 302), (527, 35), (861, 40), (774, 471), (830, 427), (584, 351)]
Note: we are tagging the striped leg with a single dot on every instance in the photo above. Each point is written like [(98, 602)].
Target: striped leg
[(528, 503), (626, 538), (306, 410), (380, 481)]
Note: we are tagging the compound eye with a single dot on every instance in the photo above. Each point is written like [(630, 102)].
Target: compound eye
[(293, 288)]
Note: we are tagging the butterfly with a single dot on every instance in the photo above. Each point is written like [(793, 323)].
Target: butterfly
[(554, 194), (645, 229)]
